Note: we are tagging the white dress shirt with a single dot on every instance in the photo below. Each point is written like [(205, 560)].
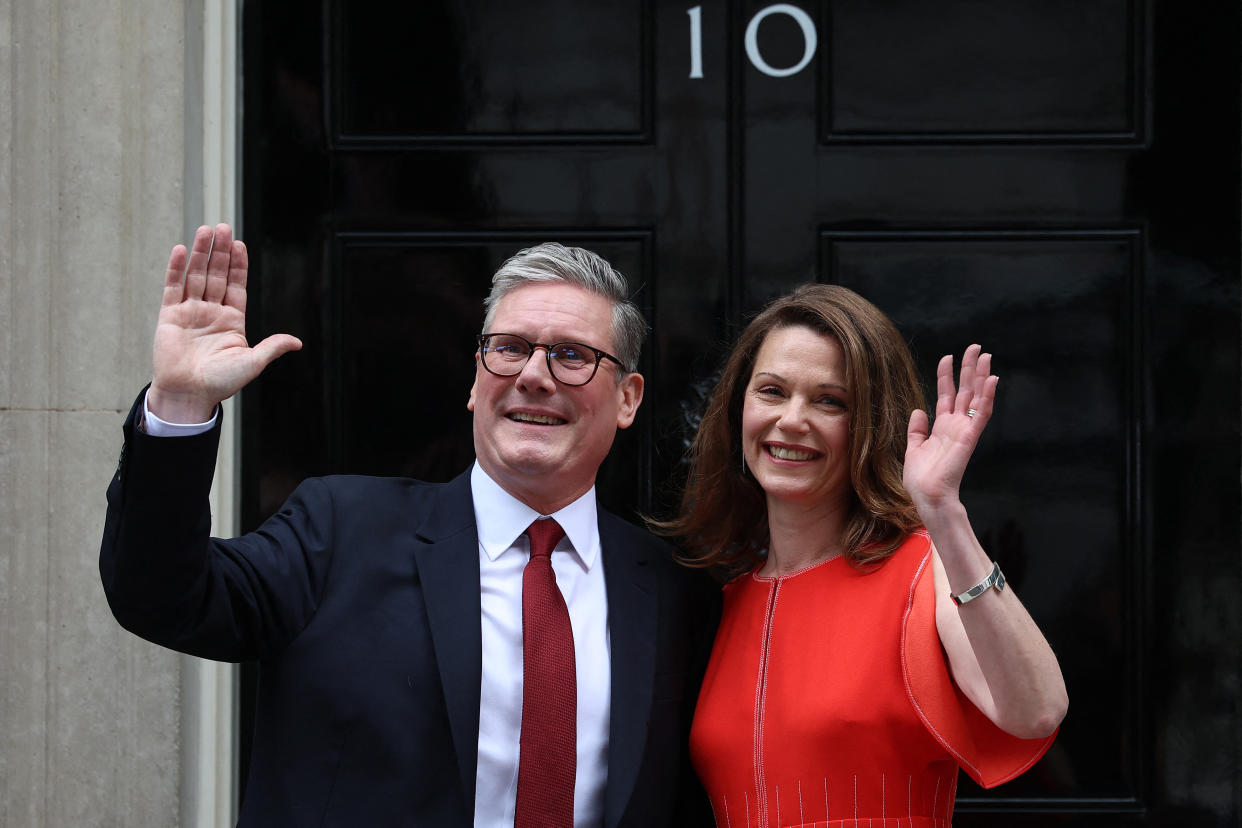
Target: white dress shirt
[(579, 567), (503, 552)]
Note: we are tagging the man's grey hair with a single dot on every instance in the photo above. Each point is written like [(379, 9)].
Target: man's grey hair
[(553, 262)]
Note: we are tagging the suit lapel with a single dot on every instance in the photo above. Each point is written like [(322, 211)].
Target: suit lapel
[(447, 553), (632, 615)]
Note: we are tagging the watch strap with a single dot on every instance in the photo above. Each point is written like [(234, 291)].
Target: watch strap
[(994, 580)]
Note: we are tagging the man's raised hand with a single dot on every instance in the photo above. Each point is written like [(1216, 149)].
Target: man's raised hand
[(201, 356)]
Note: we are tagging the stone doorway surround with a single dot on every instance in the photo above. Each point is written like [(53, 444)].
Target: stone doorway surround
[(120, 132)]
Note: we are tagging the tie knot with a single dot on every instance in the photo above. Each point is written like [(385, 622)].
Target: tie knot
[(544, 535)]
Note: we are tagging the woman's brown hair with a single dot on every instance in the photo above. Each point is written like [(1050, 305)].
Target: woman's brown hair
[(723, 518)]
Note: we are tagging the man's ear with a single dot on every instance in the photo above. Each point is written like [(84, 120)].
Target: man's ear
[(475, 387), (629, 397)]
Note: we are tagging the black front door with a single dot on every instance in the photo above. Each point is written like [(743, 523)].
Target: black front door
[(1058, 181)]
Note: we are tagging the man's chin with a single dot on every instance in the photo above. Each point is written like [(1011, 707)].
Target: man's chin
[(534, 462)]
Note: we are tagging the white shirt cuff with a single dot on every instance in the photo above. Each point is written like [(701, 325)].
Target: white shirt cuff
[(156, 427)]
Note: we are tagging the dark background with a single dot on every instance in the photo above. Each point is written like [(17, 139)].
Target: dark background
[(1057, 180)]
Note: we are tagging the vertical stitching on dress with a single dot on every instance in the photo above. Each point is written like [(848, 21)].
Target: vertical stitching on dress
[(760, 707), (948, 809), (936, 798), (883, 797), (826, 813), (801, 818), (855, 797)]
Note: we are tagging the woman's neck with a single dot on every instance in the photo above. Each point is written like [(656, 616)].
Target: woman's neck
[(800, 536)]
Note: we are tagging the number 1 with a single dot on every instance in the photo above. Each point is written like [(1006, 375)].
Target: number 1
[(696, 41)]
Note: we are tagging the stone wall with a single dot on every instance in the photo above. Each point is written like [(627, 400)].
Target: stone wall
[(100, 154)]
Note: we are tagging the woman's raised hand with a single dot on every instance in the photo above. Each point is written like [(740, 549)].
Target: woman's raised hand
[(936, 459), (201, 356)]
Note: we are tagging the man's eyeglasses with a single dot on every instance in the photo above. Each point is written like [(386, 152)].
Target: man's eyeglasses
[(571, 363)]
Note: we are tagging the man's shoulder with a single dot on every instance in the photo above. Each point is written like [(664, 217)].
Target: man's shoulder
[(372, 483), (366, 484), (371, 491), (620, 529), (621, 537)]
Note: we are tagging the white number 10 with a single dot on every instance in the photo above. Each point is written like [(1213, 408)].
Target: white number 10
[(810, 40)]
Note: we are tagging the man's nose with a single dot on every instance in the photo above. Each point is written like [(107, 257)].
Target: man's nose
[(535, 375)]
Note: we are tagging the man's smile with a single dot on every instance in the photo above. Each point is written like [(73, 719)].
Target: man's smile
[(536, 419)]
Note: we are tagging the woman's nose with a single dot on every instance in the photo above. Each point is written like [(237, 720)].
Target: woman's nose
[(793, 416)]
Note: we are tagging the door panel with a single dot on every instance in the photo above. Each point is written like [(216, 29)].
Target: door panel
[(490, 71), (1006, 70), (1055, 180), (1051, 490)]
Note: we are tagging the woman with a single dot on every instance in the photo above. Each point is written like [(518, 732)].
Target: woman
[(846, 683)]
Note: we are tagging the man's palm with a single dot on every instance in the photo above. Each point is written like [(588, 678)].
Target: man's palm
[(201, 356)]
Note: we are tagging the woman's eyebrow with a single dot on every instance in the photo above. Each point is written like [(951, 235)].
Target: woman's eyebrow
[(779, 378)]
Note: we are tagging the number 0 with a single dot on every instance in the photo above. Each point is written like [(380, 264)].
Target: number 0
[(809, 37)]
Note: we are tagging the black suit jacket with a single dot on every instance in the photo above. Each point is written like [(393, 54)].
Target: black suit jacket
[(360, 601)]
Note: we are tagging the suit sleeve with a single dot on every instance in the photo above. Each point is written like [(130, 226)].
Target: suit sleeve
[(169, 582)]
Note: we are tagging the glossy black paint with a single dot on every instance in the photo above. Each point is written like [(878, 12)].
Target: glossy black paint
[(1057, 180)]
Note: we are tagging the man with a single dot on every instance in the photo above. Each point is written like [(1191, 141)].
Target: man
[(414, 668)]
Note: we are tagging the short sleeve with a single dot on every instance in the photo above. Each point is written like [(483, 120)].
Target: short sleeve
[(988, 754)]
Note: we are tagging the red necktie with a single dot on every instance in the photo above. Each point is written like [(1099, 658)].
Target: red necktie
[(549, 746)]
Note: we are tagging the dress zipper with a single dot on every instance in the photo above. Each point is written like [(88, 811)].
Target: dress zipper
[(761, 697)]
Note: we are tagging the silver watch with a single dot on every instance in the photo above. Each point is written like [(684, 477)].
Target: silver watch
[(994, 580)]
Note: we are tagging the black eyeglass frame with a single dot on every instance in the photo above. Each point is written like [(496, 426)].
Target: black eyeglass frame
[(600, 356)]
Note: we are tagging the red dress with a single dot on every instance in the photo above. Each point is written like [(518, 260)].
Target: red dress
[(828, 702)]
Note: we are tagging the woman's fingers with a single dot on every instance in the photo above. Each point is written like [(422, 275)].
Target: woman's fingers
[(916, 430), (975, 390), (944, 386), (966, 384), (984, 400), (983, 372), (984, 387)]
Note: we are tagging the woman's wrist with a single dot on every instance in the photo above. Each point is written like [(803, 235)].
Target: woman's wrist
[(965, 560), (942, 515)]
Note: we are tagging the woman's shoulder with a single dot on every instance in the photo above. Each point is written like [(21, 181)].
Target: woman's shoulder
[(917, 542), (909, 559)]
